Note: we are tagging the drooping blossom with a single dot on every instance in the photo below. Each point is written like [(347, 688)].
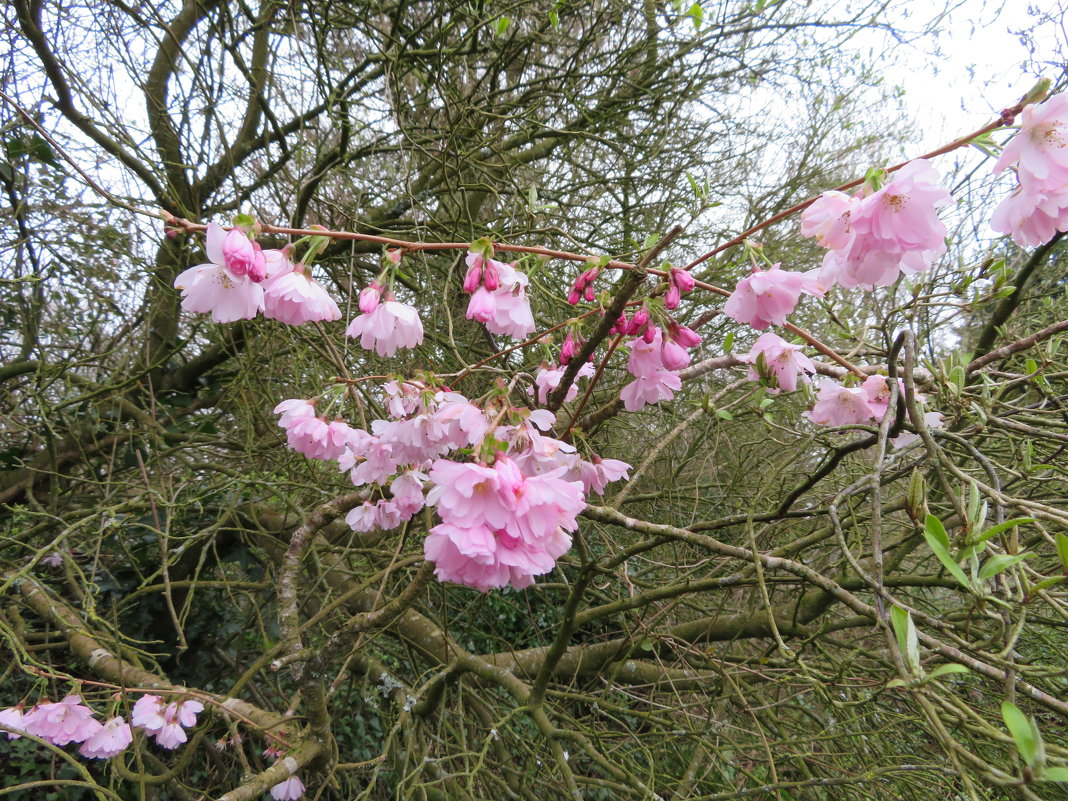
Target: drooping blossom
[(499, 526), (1030, 216), (570, 345), (294, 297), (504, 309), (177, 717), (1038, 207), (216, 288), (660, 386), (166, 722), (877, 391), (838, 405), (878, 237), (548, 379), (595, 475), (289, 790), (679, 281), (778, 362), (369, 297), (63, 722), (766, 297), (312, 435), (12, 718), (112, 739), (391, 325)]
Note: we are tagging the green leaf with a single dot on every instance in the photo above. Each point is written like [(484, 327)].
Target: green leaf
[(724, 414), (907, 643), (728, 342), (502, 25), (945, 670), (1023, 734), (1000, 563), (993, 531), (697, 15), (1055, 775), (1062, 550), (1053, 581), (936, 537), (554, 18)]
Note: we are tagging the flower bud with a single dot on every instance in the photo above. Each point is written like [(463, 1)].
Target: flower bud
[(491, 278), (649, 334), (473, 279), (672, 297), (638, 322), (686, 337), (369, 297), (238, 252), (682, 279)]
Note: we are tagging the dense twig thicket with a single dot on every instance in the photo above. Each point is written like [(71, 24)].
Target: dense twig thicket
[(763, 609)]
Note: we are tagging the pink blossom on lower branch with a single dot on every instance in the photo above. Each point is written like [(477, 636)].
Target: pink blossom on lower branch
[(289, 790), (767, 296), (778, 362), (838, 405), (390, 326), (67, 721), (653, 388), (112, 739), (12, 718)]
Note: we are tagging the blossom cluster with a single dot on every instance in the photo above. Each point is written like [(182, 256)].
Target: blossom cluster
[(1038, 208), (506, 516), (71, 721)]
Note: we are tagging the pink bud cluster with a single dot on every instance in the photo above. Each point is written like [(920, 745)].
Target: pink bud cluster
[(583, 287), (499, 296), (679, 281), (69, 721), (874, 238), (1038, 208), (655, 360)]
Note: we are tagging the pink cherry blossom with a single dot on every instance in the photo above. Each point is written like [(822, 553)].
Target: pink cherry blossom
[(838, 405), (828, 219), (597, 474), (289, 790), (548, 379), (214, 288), (68, 721), (12, 718), (765, 297), (782, 362), (177, 717), (148, 713), (370, 297), (894, 230), (293, 297), (1041, 146), (513, 317), (877, 391), (390, 326), (482, 306), (112, 739), (672, 355), (312, 435), (684, 336), (652, 388), (240, 255), (362, 517), (1032, 216)]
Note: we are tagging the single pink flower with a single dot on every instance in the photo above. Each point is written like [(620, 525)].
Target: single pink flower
[(148, 713), (781, 361), (1031, 216), (1041, 146), (289, 790), (837, 405), (765, 297), (597, 474), (213, 288), (390, 326), (828, 219), (112, 739), (482, 306), (293, 297), (12, 718), (653, 388)]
